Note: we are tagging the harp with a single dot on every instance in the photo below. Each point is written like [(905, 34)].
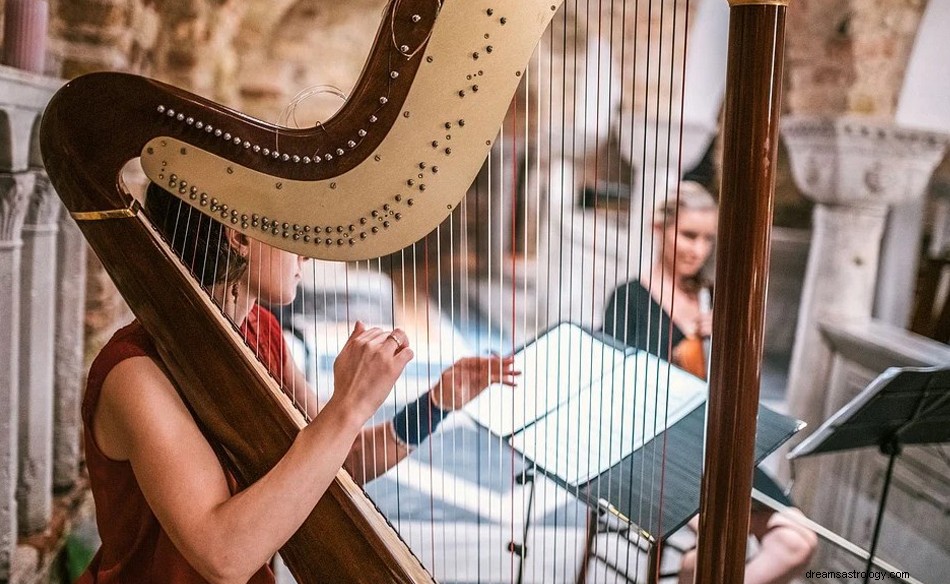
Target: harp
[(382, 173)]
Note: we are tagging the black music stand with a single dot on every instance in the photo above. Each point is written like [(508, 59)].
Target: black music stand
[(903, 406), (679, 476), (629, 504), (653, 489)]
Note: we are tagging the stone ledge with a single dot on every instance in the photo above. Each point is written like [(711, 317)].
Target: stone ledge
[(23, 96), (27, 90)]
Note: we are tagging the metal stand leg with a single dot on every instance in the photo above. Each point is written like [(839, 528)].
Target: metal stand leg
[(601, 524), (521, 549), (653, 562), (892, 449), (589, 545)]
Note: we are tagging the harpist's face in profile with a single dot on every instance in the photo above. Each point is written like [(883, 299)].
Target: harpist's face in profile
[(273, 274), (222, 257), (689, 241)]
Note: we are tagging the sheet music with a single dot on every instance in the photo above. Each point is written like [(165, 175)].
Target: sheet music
[(611, 418), (562, 362)]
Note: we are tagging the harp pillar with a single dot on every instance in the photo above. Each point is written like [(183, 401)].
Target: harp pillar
[(750, 139)]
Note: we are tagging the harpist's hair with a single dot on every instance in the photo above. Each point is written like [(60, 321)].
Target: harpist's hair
[(199, 241)]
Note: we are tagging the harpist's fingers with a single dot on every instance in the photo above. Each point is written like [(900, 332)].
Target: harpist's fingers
[(374, 335), (404, 356), (401, 338), (505, 369), (358, 329)]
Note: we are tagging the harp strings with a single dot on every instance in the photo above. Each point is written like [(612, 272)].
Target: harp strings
[(608, 82), (534, 195), (546, 51), (651, 257), (619, 268)]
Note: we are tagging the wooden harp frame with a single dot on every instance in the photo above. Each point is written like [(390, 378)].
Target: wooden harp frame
[(87, 137)]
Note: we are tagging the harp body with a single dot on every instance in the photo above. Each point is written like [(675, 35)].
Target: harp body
[(379, 175)]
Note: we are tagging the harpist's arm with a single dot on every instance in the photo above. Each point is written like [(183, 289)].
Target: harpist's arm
[(141, 418), (377, 448)]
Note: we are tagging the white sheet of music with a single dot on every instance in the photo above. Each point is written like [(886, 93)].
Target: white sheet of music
[(560, 363), (604, 422)]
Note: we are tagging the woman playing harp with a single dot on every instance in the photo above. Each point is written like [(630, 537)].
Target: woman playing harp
[(165, 517)]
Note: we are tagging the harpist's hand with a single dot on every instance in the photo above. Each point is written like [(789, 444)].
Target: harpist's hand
[(465, 379), (367, 367)]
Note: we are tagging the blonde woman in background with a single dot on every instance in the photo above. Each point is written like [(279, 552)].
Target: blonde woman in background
[(668, 313), (641, 313)]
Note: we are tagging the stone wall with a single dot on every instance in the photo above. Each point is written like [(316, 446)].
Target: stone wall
[(883, 36), (848, 56), (310, 44)]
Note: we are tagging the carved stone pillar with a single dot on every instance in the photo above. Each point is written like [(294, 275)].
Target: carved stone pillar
[(15, 189), (855, 170), (70, 368), (37, 315), (900, 254)]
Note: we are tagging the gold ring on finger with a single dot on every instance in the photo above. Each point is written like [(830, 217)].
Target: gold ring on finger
[(399, 344)]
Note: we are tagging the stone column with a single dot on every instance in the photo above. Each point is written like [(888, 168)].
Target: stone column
[(70, 368), (37, 315), (15, 189), (839, 286), (855, 170), (900, 261)]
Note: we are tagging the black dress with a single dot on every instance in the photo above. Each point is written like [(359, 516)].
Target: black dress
[(634, 318)]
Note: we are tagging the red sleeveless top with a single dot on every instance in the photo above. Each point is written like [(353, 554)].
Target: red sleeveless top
[(135, 549)]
